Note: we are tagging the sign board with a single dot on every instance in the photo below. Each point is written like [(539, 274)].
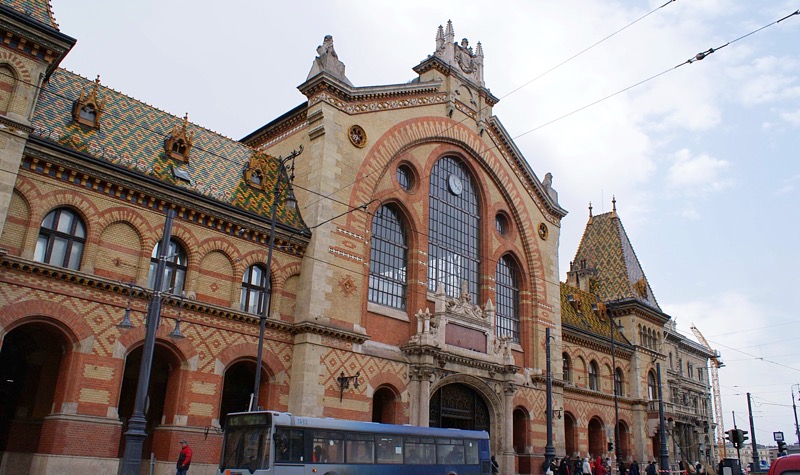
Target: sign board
[(778, 436)]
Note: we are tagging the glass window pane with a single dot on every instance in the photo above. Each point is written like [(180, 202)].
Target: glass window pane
[(47, 223), (388, 262), (471, 451), (64, 224), (360, 448), (419, 452), (58, 252), (41, 249), (389, 449), (75, 255)]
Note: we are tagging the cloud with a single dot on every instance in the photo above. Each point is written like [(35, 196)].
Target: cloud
[(697, 174)]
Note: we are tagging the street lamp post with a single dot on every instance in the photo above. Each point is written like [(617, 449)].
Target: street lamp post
[(617, 448), (794, 407), (663, 454), (266, 300), (549, 449), (135, 435)]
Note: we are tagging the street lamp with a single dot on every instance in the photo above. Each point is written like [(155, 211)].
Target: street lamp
[(266, 301), (549, 449), (794, 407), (135, 435)]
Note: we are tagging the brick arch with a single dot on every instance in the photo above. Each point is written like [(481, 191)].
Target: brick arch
[(182, 348), (124, 214), (218, 244), (492, 399), (73, 325), (248, 351), (13, 61), (387, 380), (15, 240), (413, 132), (212, 282)]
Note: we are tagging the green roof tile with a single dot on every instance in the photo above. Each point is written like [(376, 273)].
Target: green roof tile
[(132, 135), (39, 10)]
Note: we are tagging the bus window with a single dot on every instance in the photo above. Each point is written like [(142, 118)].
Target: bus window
[(288, 445), (419, 450), (328, 447), (360, 448), (390, 448), (449, 451), (471, 451), (246, 448)]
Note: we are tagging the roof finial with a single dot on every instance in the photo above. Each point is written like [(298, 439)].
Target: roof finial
[(590, 209), (613, 205)]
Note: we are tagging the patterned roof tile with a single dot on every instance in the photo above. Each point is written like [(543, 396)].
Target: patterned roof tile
[(606, 248), (132, 135), (39, 10), (579, 313)]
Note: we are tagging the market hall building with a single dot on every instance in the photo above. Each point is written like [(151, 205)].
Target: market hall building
[(421, 261)]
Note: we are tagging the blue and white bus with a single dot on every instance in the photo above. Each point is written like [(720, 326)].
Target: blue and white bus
[(278, 443)]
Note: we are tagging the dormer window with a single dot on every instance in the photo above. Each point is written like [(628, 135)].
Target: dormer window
[(88, 109), (178, 144), (257, 169)]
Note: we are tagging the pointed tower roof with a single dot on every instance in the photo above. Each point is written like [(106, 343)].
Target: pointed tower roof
[(606, 258)]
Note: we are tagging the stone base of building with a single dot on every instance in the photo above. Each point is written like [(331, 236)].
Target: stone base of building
[(43, 464)]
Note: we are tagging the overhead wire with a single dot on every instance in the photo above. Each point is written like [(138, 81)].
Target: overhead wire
[(697, 57)]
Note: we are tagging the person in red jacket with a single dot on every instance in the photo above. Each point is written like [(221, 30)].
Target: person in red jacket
[(599, 468), (184, 458)]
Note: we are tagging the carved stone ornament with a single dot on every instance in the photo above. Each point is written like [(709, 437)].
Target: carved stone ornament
[(357, 136), (640, 286), (461, 55), (178, 144), (328, 62), (88, 109), (463, 304)]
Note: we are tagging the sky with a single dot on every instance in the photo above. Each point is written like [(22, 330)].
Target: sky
[(702, 158)]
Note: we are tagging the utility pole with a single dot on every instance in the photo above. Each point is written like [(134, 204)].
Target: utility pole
[(756, 463), (549, 449), (794, 407), (738, 453)]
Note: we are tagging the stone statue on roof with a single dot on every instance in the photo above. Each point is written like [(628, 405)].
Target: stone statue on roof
[(328, 62)]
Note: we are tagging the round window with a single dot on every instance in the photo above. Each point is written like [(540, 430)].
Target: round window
[(501, 224), (405, 177)]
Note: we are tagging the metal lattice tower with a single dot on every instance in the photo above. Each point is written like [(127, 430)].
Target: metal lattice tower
[(716, 363)]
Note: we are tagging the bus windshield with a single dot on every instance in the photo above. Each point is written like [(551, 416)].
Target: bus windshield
[(246, 448)]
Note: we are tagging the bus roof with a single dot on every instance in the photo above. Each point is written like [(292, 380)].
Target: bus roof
[(287, 419)]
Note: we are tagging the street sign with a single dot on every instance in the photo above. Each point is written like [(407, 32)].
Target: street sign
[(778, 436)]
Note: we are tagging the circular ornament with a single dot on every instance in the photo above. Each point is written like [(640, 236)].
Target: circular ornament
[(543, 231), (357, 136)]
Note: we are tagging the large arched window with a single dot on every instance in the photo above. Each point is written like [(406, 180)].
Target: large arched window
[(618, 380), (61, 239), (594, 381), (507, 314), (652, 389), (254, 288), (388, 260), (175, 270), (453, 242), (566, 365)]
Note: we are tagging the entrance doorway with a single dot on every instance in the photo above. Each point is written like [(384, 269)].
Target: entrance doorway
[(457, 406), (597, 438), (570, 436)]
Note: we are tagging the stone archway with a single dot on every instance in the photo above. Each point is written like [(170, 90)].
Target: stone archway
[(458, 406), (570, 436), (385, 406), (597, 438), (31, 370), (624, 440), (237, 388)]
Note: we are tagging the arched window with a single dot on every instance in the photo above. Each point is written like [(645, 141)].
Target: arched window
[(254, 289), (641, 336), (8, 82), (618, 379), (175, 270), (566, 364), (388, 260), (594, 382), (453, 242), (652, 389), (507, 299), (61, 239)]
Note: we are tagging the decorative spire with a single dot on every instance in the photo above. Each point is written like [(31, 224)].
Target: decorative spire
[(590, 209), (450, 35), (440, 40), (460, 56), (613, 206)]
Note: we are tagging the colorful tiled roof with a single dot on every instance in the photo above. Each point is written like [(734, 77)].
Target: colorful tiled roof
[(132, 135), (578, 313), (39, 10), (606, 248)]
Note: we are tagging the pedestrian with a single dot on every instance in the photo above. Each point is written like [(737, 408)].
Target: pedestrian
[(599, 468), (587, 467), (563, 467), (495, 465), (623, 470), (698, 468), (651, 468), (184, 458), (634, 468)]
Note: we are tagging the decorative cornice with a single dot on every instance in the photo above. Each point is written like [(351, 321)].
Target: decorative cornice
[(92, 281), (444, 357), (581, 337), (124, 184)]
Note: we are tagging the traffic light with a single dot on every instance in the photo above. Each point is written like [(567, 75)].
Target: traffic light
[(742, 436), (730, 435), (610, 446), (781, 446)]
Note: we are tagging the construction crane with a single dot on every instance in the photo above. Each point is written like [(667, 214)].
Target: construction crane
[(716, 364)]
